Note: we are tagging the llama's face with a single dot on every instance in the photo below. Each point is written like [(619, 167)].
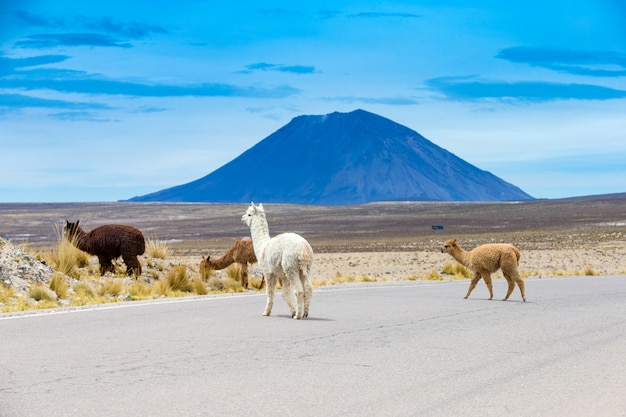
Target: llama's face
[(69, 230), (251, 212), (247, 216), (204, 263), (448, 246)]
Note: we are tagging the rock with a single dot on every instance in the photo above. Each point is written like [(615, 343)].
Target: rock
[(19, 269)]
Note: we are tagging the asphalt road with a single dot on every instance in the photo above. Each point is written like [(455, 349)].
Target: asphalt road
[(407, 349)]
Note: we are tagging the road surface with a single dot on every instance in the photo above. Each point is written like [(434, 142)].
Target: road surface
[(402, 349)]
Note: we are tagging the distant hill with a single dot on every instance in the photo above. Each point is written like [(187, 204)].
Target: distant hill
[(343, 159)]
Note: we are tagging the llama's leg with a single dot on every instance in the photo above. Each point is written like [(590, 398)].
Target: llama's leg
[(105, 265), (511, 287), (487, 278), (271, 289), (308, 292), (473, 283), (244, 275), (133, 266), (520, 284), (288, 289), (294, 277), (513, 277)]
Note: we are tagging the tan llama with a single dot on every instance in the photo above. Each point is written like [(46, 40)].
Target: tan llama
[(487, 259), (242, 252)]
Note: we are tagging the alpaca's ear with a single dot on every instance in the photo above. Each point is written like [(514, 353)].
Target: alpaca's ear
[(454, 242), (77, 221), (261, 207)]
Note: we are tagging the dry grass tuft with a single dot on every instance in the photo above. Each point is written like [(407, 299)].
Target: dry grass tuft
[(223, 284), (589, 271), (157, 248), (198, 285), (139, 290), (59, 284), (206, 273), (254, 282), (111, 287), (39, 292), (6, 296), (456, 270), (84, 294), (233, 271), (162, 289), (178, 280), (66, 257), (433, 276)]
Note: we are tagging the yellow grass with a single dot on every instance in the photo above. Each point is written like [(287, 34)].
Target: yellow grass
[(39, 292), (59, 284), (223, 284), (456, 270), (111, 287), (157, 248), (233, 271), (177, 279), (198, 285)]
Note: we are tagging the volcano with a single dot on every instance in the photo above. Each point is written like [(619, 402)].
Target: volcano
[(343, 159)]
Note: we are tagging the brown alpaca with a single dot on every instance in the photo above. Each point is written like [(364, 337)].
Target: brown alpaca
[(109, 242), (242, 252), (486, 259)]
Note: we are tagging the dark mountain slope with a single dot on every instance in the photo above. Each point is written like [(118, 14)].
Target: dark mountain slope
[(343, 158)]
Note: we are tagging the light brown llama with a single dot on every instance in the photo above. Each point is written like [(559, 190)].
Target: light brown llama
[(486, 259), (109, 242), (242, 252)]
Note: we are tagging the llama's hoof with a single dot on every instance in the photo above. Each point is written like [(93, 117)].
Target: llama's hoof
[(266, 313)]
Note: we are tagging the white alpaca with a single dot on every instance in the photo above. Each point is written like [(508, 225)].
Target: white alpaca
[(288, 257)]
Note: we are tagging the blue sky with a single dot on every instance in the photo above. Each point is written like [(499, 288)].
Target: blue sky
[(102, 101)]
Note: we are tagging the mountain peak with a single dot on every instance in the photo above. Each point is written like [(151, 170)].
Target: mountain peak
[(339, 159)]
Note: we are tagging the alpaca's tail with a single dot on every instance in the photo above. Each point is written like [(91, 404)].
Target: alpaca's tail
[(518, 255), (306, 257)]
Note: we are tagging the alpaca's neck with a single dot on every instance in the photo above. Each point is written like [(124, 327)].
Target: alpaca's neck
[(221, 262), (260, 233), (79, 239), (461, 256)]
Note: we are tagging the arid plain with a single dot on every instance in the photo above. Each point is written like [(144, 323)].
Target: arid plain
[(382, 241)]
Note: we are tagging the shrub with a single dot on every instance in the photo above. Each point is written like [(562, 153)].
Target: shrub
[(457, 270), (40, 292), (224, 284), (68, 258), (433, 276), (254, 282), (59, 284), (157, 248), (6, 294), (139, 290), (206, 273), (178, 280), (233, 271), (589, 271), (111, 287), (83, 293), (198, 285)]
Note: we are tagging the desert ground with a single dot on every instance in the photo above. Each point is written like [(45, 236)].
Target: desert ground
[(382, 241)]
